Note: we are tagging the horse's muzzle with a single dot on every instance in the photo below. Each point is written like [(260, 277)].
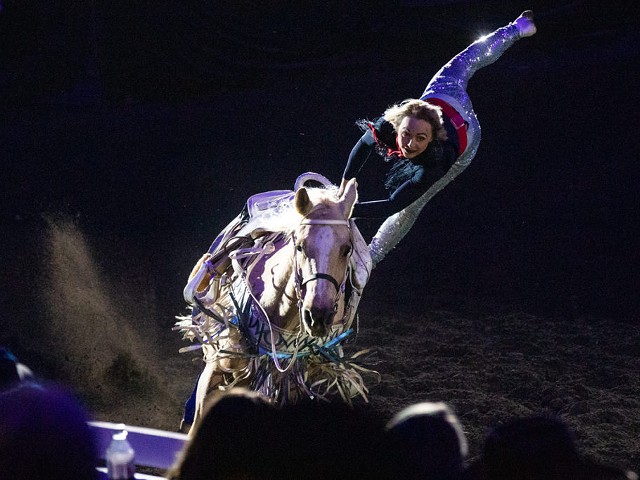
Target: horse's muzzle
[(317, 322)]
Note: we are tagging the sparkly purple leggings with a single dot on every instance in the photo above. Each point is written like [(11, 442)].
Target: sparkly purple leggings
[(449, 84)]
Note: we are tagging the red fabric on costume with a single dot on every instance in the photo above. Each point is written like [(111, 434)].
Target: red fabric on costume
[(456, 119)]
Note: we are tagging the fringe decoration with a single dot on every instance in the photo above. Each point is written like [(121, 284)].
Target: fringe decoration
[(315, 372)]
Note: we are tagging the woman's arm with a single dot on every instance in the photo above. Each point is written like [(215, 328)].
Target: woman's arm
[(401, 197), (359, 155)]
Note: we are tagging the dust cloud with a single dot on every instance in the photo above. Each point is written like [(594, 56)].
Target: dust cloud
[(101, 332)]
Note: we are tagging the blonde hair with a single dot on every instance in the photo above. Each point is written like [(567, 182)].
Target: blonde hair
[(419, 109)]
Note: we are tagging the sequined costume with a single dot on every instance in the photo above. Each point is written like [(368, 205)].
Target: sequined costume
[(447, 89)]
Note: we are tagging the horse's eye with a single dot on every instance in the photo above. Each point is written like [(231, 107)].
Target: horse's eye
[(299, 247), (346, 250)]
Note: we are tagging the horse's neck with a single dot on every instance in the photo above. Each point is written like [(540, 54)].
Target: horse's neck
[(279, 298)]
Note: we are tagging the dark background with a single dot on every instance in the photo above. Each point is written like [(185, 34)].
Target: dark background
[(132, 132), (156, 121)]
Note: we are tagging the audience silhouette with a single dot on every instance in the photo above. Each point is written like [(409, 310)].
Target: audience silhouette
[(233, 431), (243, 437), (431, 441), (44, 435), (539, 447)]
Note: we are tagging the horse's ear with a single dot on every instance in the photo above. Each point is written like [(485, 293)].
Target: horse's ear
[(350, 196), (302, 202)]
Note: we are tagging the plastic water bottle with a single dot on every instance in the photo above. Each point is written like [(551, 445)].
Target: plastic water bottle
[(120, 458)]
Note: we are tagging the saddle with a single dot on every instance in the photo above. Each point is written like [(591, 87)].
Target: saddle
[(264, 213)]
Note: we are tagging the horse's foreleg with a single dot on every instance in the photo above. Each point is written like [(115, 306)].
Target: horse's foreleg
[(210, 378), (219, 371)]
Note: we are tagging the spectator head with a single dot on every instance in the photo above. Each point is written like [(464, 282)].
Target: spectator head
[(44, 435), (229, 441), (529, 448), (431, 439)]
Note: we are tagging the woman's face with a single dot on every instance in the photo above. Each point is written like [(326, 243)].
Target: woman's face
[(414, 136)]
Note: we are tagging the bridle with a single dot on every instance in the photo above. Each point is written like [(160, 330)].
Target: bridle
[(301, 281)]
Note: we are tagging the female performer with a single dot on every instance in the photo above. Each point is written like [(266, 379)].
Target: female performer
[(427, 142)]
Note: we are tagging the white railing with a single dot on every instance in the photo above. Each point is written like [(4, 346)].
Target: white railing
[(153, 448)]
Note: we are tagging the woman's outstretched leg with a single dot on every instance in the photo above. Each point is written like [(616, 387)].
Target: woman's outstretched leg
[(449, 85), (453, 77)]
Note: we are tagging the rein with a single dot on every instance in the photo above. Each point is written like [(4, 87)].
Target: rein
[(317, 276)]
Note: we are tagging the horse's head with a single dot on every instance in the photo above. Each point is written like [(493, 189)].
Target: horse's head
[(323, 246)]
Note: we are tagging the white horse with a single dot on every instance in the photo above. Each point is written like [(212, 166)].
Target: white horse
[(276, 296)]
